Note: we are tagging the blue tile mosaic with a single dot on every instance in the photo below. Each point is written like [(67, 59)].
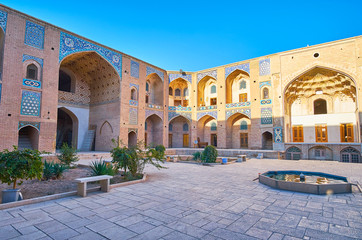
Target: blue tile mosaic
[(135, 69), (266, 83), (150, 70), (211, 113), (278, 134), (3, 19), (70, 44), (172, 115), (31, 83), (212, 73), (173, 76), (239, 104), (30, 103), (245, 111), (245, 67), (264, 67), (179, 108), (134, 85), (34, 35), (133, 103), (38, 60), (27, 123), (202, 108), (265, 101), (266, 116)]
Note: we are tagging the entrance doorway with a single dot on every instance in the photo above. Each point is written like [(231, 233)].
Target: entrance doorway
[(243, 140), (267, 141), (170, 140), (67, 128), (185, 140), (214, 140)]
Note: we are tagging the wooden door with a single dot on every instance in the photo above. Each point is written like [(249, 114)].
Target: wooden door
[(185, 140), (243, 140), (145, 139), (214, 140), (170, 140)]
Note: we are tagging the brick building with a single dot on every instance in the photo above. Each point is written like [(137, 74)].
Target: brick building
[(57, 86)]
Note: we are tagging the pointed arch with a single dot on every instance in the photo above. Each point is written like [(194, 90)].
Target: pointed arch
[(105, 125)]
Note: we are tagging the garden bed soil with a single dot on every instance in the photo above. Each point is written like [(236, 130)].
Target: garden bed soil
[(37, 188)]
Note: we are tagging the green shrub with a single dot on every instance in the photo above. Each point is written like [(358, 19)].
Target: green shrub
[(161, 150), (101, 168), (120, 158), (53, 170), (58, 170), (68, 155), (47, 171), (197, 156), (209, 154), (20, 164)]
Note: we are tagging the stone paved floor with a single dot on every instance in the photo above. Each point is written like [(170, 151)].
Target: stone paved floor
[(189, 201)]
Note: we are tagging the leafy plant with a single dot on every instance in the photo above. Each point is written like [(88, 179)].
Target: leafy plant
[(53, 170), (58, 170), (197, 156), (209, 154), (161, 150), (47, 171), (68, 155), (20, 164), (120, 158), (101, 168)]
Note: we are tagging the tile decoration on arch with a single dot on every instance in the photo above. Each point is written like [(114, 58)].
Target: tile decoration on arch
[(212, 73), (3, 19), (174, 76), (38, 60), (245, 67), (151, 112), (172, 115), (30, 103), (150, 70), (266, 83), (135, 69), (70, 44), (27, 123), (34, 35), (245, 111), (134, 85), (211, 113)]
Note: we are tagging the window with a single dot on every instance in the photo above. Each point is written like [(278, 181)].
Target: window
[(243, 125), (147, 87), (146, 98), (320, 106), (213, 89), (65, 82), (213, 101), (213, 126), (243, 97), (347, 132), (319, 152), (146, 126), (186, 92), (242, 85), (321, 134), (177, 92), (170, 91), (32, 72), (265, 93), (298, 134), (170, 126), (133, 94), (185, 127)]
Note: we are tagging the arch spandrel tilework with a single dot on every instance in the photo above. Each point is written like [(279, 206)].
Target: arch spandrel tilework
[(38, 60), (278, 134), (150, 70), (172, 115), (3, 19), (150, 112), (245, 67), (30, 103), (173, 76), (245, 111), (70, 44), (27, 123), (212, 73), (211, 113), (135, 69), (134, 85), (266, 83), (34, 35)]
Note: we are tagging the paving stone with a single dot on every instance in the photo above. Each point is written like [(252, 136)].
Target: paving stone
[(188, 229), (7, 232), (64, 234), (177, 235), (141, 227), (276, 236), (315, 234), (117, 232), (34, 235), (345, 231), (304, 222), (156, 233), (88, 236), (289, 220), (258, 233), (100, 225), (131, 220), (244, 223), (226, 234)]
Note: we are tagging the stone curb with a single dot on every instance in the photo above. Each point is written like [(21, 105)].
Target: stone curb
[(66, 194)]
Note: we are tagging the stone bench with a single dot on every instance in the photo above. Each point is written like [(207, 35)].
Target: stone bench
[(82, 183)]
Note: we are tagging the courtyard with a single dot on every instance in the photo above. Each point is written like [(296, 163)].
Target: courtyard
[(189, 201)]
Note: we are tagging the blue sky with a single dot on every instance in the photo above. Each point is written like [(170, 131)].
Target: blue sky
[(195, 35)]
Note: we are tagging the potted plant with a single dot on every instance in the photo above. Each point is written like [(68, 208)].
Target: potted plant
[(17, 165)]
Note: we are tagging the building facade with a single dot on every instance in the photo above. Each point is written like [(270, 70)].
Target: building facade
[(57, 87)]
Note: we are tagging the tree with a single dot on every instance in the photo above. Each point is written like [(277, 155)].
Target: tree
[(68, 155)]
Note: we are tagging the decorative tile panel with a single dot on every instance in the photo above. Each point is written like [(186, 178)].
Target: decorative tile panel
[(133, 116), (245, 67), (212, 74), (3, 19), (28, 57), (154, 106), (135, 69), (27, 123), (172, 115), (173, 76), (239, 104), (134, 85), (70, 44), (150, 112), (202, 108), (278, 134), (150, 70), (133, 103), (34, 35), (211, 113), (31, 83), (179, 108), (30, 103), (245, 111), (266, 83), (264, 67), (266, 116), (265, 101)]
